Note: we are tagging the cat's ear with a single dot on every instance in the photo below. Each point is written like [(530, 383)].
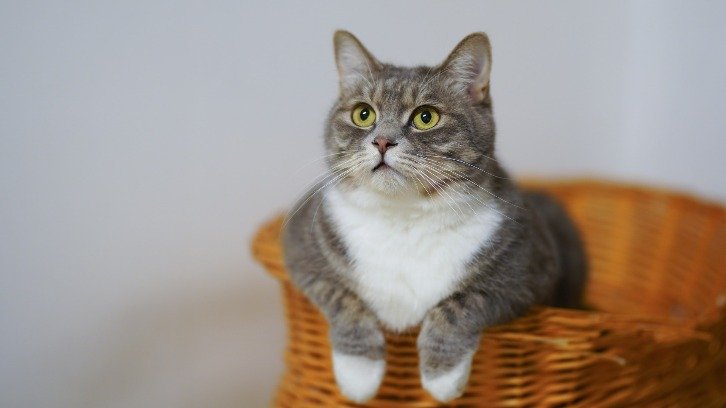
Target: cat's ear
[(469, 65), (355, 63)]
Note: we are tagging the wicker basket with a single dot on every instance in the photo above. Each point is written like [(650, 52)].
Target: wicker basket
[(658, 283)]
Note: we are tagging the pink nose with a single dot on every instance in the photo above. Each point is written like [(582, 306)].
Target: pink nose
[(383, 144)]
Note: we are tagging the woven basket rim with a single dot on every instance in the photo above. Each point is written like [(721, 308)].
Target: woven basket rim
[(633, 187)]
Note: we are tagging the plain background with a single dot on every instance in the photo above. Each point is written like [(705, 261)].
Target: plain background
[(141, 144)]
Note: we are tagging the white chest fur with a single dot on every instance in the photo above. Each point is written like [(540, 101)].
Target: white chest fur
[(405, 262)]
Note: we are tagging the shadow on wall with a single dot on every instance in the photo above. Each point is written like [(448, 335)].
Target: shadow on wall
[(222, 348)]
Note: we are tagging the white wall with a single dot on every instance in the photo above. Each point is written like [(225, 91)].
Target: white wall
[(141, 144)]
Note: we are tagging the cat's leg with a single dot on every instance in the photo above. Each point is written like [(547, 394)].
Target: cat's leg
[(450, 336), (445, 350), (356, 338), (358, 365)]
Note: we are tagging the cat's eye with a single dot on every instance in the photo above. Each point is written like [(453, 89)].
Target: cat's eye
[(363, 115), (425, 117)]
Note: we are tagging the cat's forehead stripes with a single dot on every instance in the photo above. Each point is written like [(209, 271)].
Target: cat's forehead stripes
[(396, 90)]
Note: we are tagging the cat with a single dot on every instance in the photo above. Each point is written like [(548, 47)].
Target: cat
[(418, 224)]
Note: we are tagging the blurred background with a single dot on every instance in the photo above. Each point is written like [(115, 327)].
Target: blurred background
[(142, 143)]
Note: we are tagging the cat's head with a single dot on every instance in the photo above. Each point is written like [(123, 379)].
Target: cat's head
[(404, 131)]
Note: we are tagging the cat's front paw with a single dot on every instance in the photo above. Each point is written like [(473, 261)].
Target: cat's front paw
[(358, 377), (448, 385)]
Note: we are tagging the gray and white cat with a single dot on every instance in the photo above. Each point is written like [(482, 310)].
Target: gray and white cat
[(417, 223)]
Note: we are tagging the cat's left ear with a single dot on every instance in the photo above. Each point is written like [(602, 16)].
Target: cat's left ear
[(469, 65), (355, 63)]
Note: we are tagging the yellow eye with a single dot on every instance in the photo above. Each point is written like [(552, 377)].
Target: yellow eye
[(363, 115), (425, 117)]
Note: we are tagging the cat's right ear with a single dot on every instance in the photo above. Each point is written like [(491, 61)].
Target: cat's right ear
[(355, 64)]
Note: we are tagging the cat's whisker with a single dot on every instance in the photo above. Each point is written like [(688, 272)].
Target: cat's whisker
[(441, 190), (327, 173), (467, 193), (426, 190), (467, 188), (470, 165), (339, 174), (462, 175), (474, 196), (433, 172), (417, 172), (413, 171), (486, 190), (324, 157), (479, 200), (447, 199), (465, 196), (315, 214)]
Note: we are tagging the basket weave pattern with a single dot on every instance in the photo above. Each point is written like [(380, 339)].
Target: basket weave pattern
[(658, 283)]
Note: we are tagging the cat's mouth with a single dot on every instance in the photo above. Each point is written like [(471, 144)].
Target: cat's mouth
[(382, 166), (386, 178)]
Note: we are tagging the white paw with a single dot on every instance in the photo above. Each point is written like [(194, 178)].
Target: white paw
[(449, 385), (358, 377)]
